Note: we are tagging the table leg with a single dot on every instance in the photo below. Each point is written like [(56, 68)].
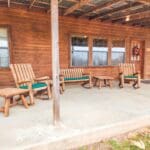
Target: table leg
[(100, 85), (11, 100), (24, 101), (6, 107), (105, 82), (110, 83), (94, 81), (97, 82)]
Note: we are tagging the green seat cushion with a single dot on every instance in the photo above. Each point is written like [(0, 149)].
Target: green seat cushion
[(130, 76), (34, 85), (78, 78)]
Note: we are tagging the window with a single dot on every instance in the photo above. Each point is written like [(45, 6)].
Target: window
[(4, 49), (118, 52), (80, 51), (100, 52)]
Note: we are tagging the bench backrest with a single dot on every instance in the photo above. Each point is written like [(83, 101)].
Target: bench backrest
[(22, 72), (127, 68), (72, 73)]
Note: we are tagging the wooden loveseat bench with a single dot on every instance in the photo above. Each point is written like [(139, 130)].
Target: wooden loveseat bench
[(76, 75)]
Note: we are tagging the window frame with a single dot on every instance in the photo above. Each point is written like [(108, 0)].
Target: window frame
[(70, 49), (125, 53), (103, 38), (90, 52), (9, 45)]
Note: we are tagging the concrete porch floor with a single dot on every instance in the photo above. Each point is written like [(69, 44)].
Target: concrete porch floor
[(88, 115)]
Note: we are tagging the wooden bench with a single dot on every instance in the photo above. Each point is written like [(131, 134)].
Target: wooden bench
[(76, 75), (8, 94), (127, 73)]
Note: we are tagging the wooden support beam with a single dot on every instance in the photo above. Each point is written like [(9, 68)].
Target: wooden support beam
[(146, 2), (125, 9), (8, 3), (32, 3), (142, 14), (98, 8), (145, 22), (55, 61), (139, 16), (71, 0), (77, 6)]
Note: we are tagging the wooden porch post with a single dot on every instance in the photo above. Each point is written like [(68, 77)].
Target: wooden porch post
[(55, 60)]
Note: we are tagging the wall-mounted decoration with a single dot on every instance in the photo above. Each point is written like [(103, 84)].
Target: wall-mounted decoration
[(136, 51)]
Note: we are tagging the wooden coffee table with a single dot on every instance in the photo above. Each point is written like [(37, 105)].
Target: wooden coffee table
[(8, 94), (103, 81)]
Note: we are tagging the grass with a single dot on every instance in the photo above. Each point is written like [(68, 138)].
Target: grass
[(137, 140)]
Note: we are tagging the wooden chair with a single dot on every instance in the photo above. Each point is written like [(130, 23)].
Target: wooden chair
[(76, 75), (25, 79), (128, 73)]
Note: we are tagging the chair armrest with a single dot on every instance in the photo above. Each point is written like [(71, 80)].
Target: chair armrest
[(120, 73), (61, 77), (138, 72), (22, 82), (87, 74), (42, 78)]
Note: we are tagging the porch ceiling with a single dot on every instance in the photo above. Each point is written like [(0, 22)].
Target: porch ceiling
[(129, 12)]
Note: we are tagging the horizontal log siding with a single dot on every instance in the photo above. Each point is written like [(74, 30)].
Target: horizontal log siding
[(30, 41)]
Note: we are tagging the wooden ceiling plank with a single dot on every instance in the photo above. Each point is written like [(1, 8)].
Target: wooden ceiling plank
[(139, 16), (77, 6), (129, 14), (125, 9), (145, 24), (32, 3), (42, 2), (75, 1), (138, 21), (98, 8), (145, 2)]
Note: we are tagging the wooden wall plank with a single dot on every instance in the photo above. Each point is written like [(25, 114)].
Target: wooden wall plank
[(30, 41)]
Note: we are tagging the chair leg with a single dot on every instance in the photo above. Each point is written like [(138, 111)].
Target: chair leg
[(49, 91), (139, 81), (6, 107), (63, 86), (24, 101), (31, 97), (90, 82), (135, 84), (61, 90), (121, 83)]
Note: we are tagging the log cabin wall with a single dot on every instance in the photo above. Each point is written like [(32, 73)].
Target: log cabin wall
[(70, 26), (30, 41), (147, 60)]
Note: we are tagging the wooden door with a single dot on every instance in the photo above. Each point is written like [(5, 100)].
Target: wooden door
[(137, 54)]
